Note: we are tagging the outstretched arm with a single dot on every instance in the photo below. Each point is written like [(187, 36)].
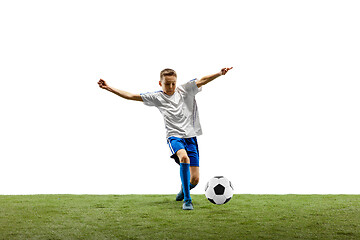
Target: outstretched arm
[(209, 78), (121, 93)]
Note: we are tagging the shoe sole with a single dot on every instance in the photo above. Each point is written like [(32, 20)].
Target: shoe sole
[(188, 209)]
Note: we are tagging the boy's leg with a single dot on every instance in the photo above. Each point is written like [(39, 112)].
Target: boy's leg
[(194, 176), (189, 174), (193, 153), (194, 180), (185, 178), (184, 172), (193, 172)]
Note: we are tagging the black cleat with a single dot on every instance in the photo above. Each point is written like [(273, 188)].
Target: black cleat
[(180, 195)]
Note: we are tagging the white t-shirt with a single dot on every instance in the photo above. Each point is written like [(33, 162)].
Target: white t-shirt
[(180, 112)]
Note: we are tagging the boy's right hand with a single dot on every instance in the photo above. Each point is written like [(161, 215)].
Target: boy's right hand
[(225, 70), (103, 84)]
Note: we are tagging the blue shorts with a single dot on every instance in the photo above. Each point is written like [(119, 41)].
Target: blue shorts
[(189, 144)]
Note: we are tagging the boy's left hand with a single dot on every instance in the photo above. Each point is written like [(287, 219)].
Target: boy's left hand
[(225, 70)]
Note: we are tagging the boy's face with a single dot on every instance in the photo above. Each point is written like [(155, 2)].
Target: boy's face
[(168, 84)]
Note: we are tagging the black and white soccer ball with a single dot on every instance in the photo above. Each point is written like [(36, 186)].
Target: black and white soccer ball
[(219, 190)]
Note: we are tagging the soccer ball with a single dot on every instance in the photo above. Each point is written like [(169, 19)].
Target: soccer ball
[(219, 190)]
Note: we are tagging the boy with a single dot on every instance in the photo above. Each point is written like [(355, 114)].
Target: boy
[(181, 118)]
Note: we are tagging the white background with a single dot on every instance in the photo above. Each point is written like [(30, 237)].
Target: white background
[(284, 120)]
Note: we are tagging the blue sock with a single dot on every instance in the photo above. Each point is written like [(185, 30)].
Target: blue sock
[(185, 180), (192, 186)]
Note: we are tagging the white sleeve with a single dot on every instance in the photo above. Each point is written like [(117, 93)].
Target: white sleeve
[(191, 87), (150, 99)]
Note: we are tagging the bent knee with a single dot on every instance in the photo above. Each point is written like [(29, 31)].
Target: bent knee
[(184, 159)]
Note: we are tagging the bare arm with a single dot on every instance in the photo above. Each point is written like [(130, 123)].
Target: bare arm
[(209, 78), (121, 93)]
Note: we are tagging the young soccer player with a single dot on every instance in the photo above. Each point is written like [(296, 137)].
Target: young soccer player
[(179, 109)]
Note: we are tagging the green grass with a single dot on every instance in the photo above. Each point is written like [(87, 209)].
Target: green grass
[(160, 217)]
